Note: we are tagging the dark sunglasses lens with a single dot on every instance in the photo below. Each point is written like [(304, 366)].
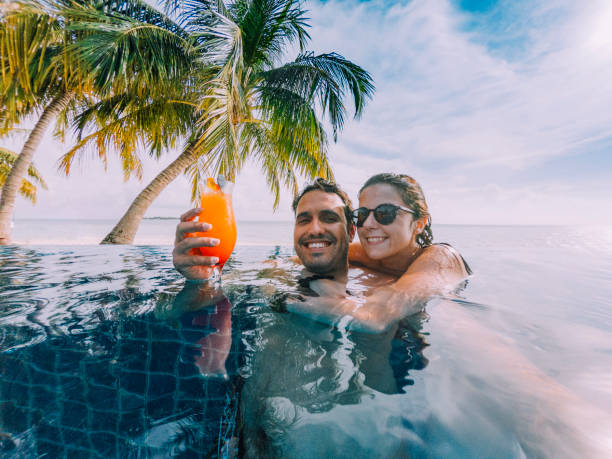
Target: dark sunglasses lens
[(385, 214), (360, 216)]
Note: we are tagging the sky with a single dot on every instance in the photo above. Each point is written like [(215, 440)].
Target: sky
[(500, 109)]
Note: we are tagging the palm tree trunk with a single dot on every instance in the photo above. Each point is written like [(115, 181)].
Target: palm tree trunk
[(125, 230), (20, 168)]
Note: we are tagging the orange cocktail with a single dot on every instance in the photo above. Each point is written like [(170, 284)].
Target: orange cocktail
[(217, 210)]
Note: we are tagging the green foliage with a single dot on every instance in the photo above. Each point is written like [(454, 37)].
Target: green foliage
[(123, 122), (132, 47), (28, 187), (93, 49), (30, 39)]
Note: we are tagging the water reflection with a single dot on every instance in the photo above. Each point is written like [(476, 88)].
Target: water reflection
[(303, 374)]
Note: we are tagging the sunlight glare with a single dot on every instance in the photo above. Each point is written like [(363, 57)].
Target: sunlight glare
[(599, 30)]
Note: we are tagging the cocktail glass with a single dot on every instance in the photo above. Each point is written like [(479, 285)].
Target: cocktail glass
[(218, 211)]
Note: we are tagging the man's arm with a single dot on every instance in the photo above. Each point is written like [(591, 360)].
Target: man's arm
[(192, 298), (435, 272), (211, 310)]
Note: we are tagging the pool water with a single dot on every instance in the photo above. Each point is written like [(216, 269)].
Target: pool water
[(104, 353)]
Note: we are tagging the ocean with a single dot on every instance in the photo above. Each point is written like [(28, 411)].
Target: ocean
[(151, 232)]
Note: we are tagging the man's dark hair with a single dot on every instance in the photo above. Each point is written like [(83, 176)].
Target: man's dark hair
[(320, 184)]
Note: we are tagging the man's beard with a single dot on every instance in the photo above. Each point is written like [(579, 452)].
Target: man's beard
[(325, 264)]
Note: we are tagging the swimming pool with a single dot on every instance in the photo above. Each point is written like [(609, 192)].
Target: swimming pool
[(101, 357)]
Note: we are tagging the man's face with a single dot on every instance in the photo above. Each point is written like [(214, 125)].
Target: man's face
[(319, 236)]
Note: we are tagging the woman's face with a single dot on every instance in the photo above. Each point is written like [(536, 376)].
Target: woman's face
[(384, 241)]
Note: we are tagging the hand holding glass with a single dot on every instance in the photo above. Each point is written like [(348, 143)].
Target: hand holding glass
[(217, 210)]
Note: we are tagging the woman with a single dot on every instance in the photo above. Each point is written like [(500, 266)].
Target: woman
[(395, 237), (394, 228)]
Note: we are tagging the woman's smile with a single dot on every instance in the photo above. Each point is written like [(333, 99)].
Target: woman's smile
[(375, 240)]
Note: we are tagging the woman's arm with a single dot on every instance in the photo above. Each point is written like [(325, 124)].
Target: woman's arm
[(436, 271)]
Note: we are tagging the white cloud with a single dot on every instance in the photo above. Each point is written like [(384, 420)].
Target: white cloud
[(443, 95)]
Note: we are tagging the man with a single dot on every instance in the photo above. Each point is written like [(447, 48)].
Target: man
[(322, 233), (323, 229)]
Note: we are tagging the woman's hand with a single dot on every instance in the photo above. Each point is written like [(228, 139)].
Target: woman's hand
[(328, 288), (185, 256)]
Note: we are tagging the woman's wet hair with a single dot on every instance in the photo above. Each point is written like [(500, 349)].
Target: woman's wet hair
[(320, 184), (413, 197)]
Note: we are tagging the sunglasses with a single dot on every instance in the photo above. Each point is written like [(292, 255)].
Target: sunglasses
[(384, 214)]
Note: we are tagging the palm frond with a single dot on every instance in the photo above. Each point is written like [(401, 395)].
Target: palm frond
[(124, 52), (292, 117), (192, 14), (29, 38), (221, 42), (126, 124), (28, 188), (275, 163), (326, 77), (268, 27)]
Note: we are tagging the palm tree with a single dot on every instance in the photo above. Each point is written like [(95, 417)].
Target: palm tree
[(249, 106), (28, 187), (30, 41), (43, 67)]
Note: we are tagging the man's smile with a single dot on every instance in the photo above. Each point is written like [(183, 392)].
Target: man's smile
[(318, 244)]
